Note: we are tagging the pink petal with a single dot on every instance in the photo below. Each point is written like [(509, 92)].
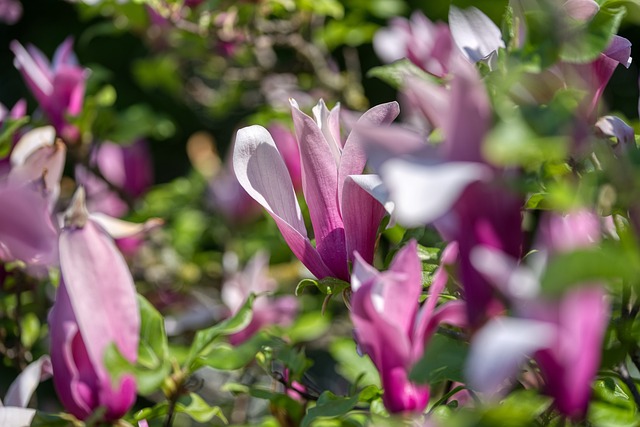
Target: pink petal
[(320, 186), (354, 158), (582, 10), (101, 292), (362, 215), (263, 174)]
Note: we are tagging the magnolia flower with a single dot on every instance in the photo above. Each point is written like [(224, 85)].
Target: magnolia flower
[(392, 330), (95, 307), (14, 411), (57, 86), (344, 217), (424, 43), (564, 335), (451, 185), (253, 279), (27, 233), (127, 167)]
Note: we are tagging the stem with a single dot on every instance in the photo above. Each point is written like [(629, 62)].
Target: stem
[(171, 412)]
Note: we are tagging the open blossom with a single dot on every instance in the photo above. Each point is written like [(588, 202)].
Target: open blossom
[(451, 185), (563, 334), (58, 86), (344, 217), (95, 307), (392, 329), (266, 310)]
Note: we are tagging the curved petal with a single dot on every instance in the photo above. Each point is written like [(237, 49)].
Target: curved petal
[(263, 174), (30, 142), (361, 214), (320, 187), (22, 388), (424, 192)]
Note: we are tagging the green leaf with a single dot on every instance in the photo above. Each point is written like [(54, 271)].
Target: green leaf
[(9, 128), (328, 285), (226, 357), (587, 43), (443, 359), (204, 340), (396, 73), (308, 327), (332, 8), (611, 406), (329, 406), (42, 419), (351, 365), (195, 406), (587, 265), (153, 364)]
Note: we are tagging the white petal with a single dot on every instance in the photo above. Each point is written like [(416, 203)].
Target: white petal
[(22, 388), (118, 229), (31, 142), (16, 417), (500, 347), (422, 192), (475, 34)]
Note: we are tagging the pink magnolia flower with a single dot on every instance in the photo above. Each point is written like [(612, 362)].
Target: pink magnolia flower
[(451, 185), (57, 86), (95, 307), (390, 327), (564, 335), (127, 167), (266, 310), (424, 43), (344, 217)]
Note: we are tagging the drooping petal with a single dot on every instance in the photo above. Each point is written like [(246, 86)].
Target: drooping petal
[(119, 229), (500, 347), (263, 174), (361, 214), (100, 288), (474, 32), (23, 387), (320, 186)]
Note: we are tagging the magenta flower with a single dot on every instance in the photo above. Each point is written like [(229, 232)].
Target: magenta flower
[(424, 43), (563, 335), (344, 217), (127, 167), (266, 310), (95, 307), (452, 185), (57, 86), (390, 327), (288, 148)]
